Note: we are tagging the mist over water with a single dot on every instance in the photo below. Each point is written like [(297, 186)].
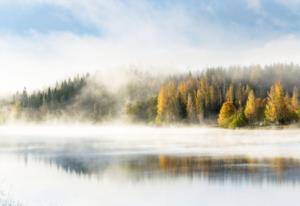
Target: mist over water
[(145, 139), (125, 165), (125, 103)]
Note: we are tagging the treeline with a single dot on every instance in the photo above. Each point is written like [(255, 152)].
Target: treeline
[(277, 108), (76, 99), (84, 98), (231, 97)]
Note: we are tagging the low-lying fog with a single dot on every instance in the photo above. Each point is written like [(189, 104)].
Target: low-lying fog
[(166, 140)]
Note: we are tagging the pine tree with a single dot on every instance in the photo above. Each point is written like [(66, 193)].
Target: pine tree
[(212, 98), (182, 113), (260, 108), (24, 98)]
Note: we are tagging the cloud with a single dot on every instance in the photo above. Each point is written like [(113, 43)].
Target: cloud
[(292, 5), (38, 61), (169, 37), (254, 4), (289, 2), (159, 22)]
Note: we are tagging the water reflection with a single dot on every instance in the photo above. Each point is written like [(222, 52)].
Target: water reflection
[(212, 168), (94, 172), (136, 162), (150, 167)]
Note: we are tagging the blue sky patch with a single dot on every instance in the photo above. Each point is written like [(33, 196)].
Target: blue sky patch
[(42, 18)]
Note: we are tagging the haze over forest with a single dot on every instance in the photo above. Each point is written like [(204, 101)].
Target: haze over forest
[(149, 102), (183, 55), (230, 97)]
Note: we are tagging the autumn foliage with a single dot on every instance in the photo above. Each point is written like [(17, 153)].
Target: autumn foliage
[(227, 111), (251, 107), (235, 103), (232, 97)]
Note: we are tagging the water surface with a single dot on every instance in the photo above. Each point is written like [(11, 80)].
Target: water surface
[(142, 166)]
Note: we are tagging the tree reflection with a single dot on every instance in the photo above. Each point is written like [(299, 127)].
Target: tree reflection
[(211, 168)]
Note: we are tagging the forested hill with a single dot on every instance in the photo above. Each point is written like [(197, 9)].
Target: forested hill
[(231, 97), (77, 99), (83, 98)]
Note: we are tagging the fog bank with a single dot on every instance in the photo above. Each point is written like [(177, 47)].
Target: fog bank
[(170, 140)]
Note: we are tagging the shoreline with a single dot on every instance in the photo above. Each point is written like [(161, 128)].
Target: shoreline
[(116, 124)]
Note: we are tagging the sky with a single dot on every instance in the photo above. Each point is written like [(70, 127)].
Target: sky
[(43, 41)]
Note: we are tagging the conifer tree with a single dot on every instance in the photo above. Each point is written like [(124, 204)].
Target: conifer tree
[(181, 106)]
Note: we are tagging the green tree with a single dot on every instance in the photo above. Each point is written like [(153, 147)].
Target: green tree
[(144, 111)]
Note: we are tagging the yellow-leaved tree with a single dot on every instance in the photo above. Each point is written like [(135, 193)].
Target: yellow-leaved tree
[(227, 110), (278, 108), (251, 108), (270, 111), (275, 105), (167, 107)]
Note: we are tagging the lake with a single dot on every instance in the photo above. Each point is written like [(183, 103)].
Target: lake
[(113, 165)]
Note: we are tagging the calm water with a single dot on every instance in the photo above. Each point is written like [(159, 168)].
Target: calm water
[(121, 166)]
